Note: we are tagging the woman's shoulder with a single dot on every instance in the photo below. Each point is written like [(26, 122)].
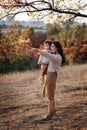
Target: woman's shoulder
[(59, 56)]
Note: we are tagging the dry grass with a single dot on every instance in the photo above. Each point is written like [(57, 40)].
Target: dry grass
[(72, 75), (18, 77), (22, 106), (67, 75)]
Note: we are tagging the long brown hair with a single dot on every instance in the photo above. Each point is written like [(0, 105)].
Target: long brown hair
[(60, 50)]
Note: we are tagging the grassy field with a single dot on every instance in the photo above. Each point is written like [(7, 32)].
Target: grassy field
[(22, 106)]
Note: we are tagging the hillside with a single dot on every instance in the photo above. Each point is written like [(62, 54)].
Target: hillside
[(22, 106)]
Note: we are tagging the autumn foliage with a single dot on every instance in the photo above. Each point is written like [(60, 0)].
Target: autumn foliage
[(16, 56), (77, 53)]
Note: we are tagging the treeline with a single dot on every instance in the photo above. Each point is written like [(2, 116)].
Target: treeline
[(15, 42)]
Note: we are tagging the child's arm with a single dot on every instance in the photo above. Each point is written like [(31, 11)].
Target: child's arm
[(40, 59)]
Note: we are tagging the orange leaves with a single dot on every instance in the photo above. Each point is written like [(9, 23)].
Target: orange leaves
[(11, 49), (9, 5), (84, 48), (76, 54), (9, 1), (23, 48), (1, 1), (2, 58)]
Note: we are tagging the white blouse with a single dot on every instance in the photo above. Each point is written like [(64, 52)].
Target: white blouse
[(55, 61), (43, 59)]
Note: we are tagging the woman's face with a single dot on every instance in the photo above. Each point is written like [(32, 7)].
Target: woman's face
[(53, 48)]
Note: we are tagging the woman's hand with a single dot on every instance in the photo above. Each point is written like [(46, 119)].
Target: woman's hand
[(35, 50)]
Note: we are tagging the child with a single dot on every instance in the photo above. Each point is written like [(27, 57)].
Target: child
[(43, 61)]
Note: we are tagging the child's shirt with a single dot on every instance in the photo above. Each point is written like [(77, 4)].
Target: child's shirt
[(42, 59)]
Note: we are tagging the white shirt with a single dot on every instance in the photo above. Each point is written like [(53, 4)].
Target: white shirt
[(55, 61), (42, 59)]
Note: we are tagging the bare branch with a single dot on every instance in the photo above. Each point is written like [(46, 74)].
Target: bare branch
[(41, 6), (71, 19), (83, 6)]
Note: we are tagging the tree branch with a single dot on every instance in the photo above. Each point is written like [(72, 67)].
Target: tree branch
[(40, 6)]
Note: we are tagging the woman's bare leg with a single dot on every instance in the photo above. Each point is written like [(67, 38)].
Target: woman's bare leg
[(51, 109), (51, 106)]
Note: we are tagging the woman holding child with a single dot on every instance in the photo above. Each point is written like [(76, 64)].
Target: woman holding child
[(56, 58)]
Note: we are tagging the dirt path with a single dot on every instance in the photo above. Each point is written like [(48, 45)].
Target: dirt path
[(22, 108)]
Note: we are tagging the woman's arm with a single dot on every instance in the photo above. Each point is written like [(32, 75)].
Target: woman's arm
[(53, 57)]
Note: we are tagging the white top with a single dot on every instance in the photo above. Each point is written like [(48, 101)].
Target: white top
[(55, 61), (42, 59)]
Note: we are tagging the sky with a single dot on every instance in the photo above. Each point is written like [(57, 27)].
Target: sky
[(25, 17), (22, 17)]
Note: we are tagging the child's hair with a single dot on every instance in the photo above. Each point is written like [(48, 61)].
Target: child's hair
[(47, 42)]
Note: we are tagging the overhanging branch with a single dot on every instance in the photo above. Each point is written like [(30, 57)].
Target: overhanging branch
[(34, 6)]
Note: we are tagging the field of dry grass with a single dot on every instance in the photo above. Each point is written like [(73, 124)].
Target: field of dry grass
[(22, 106)]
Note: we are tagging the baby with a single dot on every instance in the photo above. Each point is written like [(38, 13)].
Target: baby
[(43, 61)]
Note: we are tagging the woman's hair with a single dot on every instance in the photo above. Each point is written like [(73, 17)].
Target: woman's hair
[(60, 51)]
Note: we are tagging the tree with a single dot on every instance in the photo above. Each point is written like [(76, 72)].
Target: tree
[(38, 38), (79, 33), (27, 33), (53, 28), (53, 31), (43, 8)]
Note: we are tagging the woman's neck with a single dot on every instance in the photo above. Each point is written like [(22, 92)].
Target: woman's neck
[(54, 52)]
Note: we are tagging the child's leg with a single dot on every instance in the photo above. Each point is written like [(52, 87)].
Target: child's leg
[(44, 92), (44, 69), (43, 74)]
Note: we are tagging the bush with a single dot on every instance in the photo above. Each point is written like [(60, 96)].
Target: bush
[(19, 64)]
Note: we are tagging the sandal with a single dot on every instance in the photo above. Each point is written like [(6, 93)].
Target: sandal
[(50, 115)]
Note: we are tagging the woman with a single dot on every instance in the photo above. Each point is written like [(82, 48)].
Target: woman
[(56, 58)]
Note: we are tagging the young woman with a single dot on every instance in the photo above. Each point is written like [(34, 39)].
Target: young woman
[(56, 58)]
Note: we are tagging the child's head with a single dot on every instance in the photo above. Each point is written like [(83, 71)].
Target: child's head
[(47, 44)]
